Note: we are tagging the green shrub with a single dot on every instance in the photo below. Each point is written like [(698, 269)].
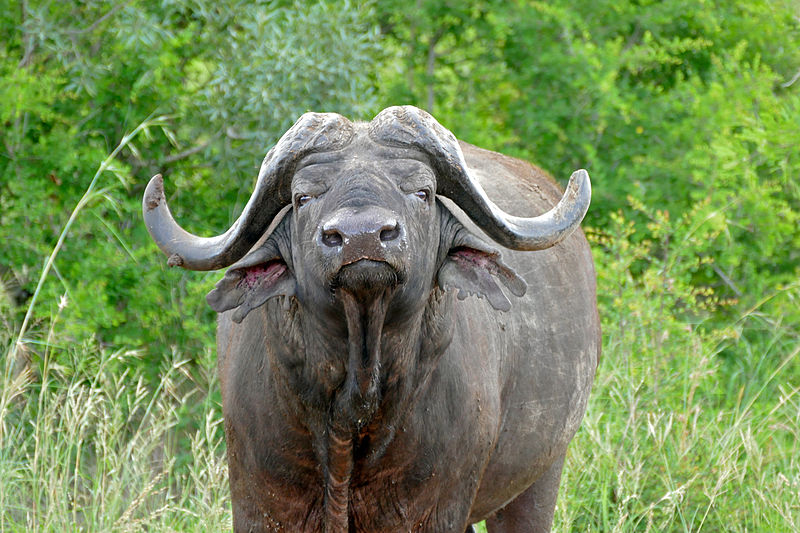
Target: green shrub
[(690, 426), (74, 77), (678, 104)]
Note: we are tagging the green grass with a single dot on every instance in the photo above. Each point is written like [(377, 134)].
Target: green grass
[(681, 438), (93, 448), (677, 438), (688, 429), (87, 441)]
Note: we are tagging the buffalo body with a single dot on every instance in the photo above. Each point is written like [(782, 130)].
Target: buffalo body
[(375, 375)]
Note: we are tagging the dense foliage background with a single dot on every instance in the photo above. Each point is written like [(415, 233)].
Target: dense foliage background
[(685, 112)]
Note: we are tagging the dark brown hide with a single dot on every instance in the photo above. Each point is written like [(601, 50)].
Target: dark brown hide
[(384, 368), (476, 404)]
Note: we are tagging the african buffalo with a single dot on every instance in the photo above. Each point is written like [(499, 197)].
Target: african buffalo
[(362, 388)]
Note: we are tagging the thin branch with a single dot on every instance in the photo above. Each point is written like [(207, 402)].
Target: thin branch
[(728, 281), (99, 21), (27, 39), (189, 152), (431, 66), (791, 82)]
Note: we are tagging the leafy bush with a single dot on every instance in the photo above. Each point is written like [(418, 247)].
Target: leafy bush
[(76, 77), (678, 437), (85, 446), (678, 104)]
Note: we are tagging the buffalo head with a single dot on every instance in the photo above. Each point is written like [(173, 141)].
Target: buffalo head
[(355, 211)]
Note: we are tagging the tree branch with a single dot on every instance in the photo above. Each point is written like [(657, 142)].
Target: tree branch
[(102, 19), (27, 38), (431, 67), (728, 281), (791, 82), (188, 152)]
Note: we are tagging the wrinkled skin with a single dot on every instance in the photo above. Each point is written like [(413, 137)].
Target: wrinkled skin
[(383, 367), (375, 375)]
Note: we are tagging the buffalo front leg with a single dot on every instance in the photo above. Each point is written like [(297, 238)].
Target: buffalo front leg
[(532, 511)]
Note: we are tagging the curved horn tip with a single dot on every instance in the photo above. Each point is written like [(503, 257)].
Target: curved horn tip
[(154, 193), (579, 188), (579, 179)]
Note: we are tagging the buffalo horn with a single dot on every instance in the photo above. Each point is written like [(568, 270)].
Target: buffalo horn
[(313, 132), (522, 233), (409, 126)]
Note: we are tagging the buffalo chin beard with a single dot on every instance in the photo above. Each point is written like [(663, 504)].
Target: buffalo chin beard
[(367, 278)]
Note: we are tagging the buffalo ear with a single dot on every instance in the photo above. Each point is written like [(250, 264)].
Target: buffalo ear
[(471, 266), (260, 275)]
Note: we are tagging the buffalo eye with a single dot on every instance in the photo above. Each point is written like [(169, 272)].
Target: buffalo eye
[(422, 195), (303, 199)]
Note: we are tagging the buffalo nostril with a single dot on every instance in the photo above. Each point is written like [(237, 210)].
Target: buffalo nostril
[(390, 234), (331, 238)]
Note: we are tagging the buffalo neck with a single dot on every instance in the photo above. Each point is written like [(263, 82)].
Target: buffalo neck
[(353, 390)]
